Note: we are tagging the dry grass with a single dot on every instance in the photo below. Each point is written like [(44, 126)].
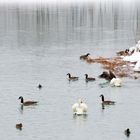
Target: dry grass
[(117, 65)]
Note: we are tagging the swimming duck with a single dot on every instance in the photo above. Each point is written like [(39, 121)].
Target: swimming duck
[(107, 102), (117, 82), (19, 126), (127, 132), (84, 56), (39, 86), (73, 78), (79, 108), (89, 78), (27, 103)]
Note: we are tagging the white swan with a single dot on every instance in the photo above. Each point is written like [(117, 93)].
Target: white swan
[(79, 108), (132, 58), (117, 82)]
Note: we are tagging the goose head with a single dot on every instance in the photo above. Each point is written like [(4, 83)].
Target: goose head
[(87, 54), (69, 74), (21, 98), (102, 96), (86, 75)]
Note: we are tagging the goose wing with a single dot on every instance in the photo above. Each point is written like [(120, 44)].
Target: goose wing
[(109, 102), (30, 103)]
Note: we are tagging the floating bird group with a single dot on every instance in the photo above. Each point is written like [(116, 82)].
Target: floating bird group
[(80, 108), (26, 103)]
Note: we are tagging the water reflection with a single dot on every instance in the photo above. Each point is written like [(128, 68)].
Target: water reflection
[(42, 24), (80, 118), (103, 106), (21, 109)]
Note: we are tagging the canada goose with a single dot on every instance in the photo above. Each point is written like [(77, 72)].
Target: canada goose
[(73, 78), (39, 86), (79, 108), (19, 126), (107, 102), (127, 132), (107, 75), (27, 103), (89, 78), (84, 56), (123, 53)]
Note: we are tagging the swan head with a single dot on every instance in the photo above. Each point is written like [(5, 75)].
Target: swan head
[(80, 101)]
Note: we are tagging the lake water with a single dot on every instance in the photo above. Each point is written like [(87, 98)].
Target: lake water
[(41, 43)]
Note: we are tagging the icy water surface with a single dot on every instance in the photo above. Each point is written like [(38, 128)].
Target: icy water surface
[(41, 44)]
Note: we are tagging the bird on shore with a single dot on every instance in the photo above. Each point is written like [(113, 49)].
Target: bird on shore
[(73, 78), (84, 56), (19, 126), (106, 102), (89, 78), (27, 103), (79, 108), (127, 132)]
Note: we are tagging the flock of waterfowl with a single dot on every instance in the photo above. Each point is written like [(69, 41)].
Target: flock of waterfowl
[(126, 63), (26, 103)]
